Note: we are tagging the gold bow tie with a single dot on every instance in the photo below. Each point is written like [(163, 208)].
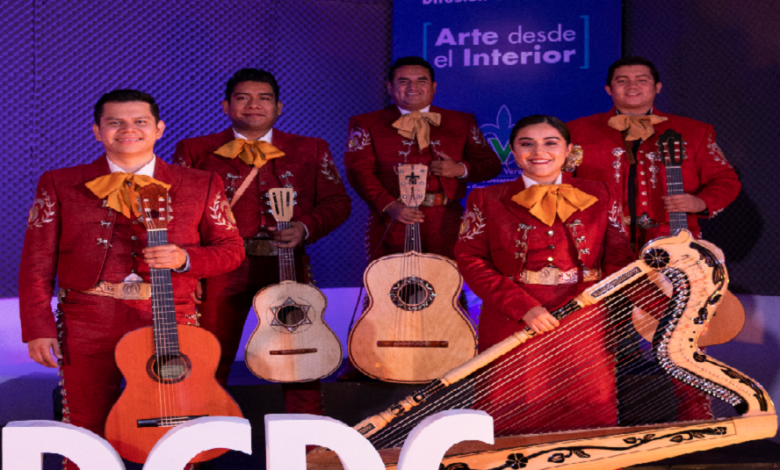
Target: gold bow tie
[(639, 127), (120, 190), (417, 125), (252, 152), (544, 201)]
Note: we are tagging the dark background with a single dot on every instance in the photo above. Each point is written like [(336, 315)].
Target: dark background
[(719, 62)]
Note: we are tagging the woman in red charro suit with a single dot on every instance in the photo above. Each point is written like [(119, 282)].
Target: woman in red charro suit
[(527, 247)]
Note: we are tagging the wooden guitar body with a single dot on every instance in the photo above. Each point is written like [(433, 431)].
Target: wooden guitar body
[(292, 343), (149, 407), (422, 341)]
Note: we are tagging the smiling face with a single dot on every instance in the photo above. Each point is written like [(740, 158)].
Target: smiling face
[(540, 150), (412, 88), (633, 89), (128, 131), (253, 109)]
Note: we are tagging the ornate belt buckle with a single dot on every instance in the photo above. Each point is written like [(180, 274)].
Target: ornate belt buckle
[(546, 277)]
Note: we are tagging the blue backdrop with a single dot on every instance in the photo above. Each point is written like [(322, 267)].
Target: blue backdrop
[(505, 59)]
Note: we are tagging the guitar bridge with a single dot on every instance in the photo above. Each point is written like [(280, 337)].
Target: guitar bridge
[(412, 344), (166, 422)]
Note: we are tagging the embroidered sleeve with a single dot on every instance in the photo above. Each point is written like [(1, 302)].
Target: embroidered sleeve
[(615, 216), (476, 135), (472, 224), (43, 210), (221, 213), (328, 168), (358, 139)]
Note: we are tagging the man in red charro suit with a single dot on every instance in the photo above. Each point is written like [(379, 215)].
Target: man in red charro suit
[(413, 131), (96, 249), (621, 147), (634, 165), (252, 157)]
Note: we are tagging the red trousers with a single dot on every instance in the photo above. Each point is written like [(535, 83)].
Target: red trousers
[(227, 300), (439, 232), (91, 327)]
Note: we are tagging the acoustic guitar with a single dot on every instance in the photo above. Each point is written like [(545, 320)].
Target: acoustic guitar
[(729, 318), (413, 329), (169, 368), (292, 342)]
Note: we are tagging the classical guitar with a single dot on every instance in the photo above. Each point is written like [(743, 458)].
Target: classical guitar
[(729, 318), (413, 329), (169, 368), (292, 342)]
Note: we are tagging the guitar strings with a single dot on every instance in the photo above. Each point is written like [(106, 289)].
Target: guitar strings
[(472, 391), (451, 398)]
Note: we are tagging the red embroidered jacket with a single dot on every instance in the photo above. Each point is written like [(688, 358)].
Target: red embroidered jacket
[(499, 238), (70, 233), (375, 149), (322, 203), (706, 173)]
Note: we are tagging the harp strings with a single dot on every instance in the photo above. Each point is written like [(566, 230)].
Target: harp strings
[(507, 374)]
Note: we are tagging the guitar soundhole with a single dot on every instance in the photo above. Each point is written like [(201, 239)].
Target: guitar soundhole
[(169, 369), (290, 315), (412, 293)]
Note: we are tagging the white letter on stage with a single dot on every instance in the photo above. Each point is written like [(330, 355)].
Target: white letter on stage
[(446, 37), (183, 442), (286, 437), (429, 440), (25, 442)]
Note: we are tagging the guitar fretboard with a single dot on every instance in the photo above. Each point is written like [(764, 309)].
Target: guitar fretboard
[(674, 186), (286, 258), (166, 337)]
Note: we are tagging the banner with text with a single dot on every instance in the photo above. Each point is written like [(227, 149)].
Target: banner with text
[(505, 59)]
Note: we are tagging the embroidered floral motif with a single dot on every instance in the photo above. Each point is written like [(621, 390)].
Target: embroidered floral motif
[(408, 144), (716, 152), (472, 224), (329, 169), (615, 217), (221, 213), (41, 212), (358, 140), (477, 137), (181, 162)]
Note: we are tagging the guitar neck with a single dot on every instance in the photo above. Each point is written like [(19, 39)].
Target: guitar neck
[(413, 238), (166, 337), (674, 186), (286, 258)]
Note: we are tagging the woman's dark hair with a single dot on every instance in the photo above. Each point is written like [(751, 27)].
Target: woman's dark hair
[(540, 119)]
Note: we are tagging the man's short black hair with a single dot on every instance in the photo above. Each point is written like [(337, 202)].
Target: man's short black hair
[(251, 75), (409, 60), (632, 60), (125, 96)]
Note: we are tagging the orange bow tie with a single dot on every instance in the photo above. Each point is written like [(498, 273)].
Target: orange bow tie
[(639, 127), (252, 152), (417, 125), (120, 190), (544, 201)]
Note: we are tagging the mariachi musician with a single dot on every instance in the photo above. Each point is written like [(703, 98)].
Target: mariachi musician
[(252, 157), (619, 148), (81, 232), (412, 131), (529, 246)]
